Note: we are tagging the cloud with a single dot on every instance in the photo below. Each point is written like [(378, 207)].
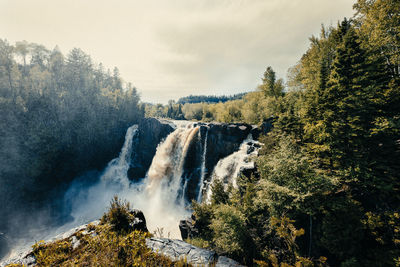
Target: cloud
[(174, 48)]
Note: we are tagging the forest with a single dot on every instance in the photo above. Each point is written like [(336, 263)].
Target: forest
[(60, 116), (327, 187)]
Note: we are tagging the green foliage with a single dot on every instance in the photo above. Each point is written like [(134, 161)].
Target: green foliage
[(243, 229), (344, 84), (208, 99), (219, 195), (378, 21), (288, 179), (271, 87), (106, 248), (331, 162), (229, 231)]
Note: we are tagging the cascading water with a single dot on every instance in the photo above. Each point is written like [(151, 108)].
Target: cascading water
[(167, 165), (117, 169), (157, 195), (203, 169), (89, 204), (228, 169)]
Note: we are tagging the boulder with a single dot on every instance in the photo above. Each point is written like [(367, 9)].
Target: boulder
[(139, 222), (226, 262), (180, 250), (188, 229)]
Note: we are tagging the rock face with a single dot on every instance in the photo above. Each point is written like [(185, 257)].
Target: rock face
[(222, 140), (267, 125), (151, 132), (178, 249)]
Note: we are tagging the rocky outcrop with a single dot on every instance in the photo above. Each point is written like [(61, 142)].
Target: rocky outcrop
[(267, 125), (223, 140), (151, 132), (180, 250)]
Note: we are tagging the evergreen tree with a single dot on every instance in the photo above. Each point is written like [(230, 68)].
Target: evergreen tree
[(271, 86)]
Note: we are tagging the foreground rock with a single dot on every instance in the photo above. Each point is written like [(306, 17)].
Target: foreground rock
[(188, 228), (26, 258), (180, 250)]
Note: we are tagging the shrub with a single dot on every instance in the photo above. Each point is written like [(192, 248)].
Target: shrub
[(119, 216)]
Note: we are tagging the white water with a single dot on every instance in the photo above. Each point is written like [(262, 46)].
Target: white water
[(117, 169), (228, 169), (164, 179), (156, 195), (89, 204), (203, 169)]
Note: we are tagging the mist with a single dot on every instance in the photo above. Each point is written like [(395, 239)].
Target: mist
[(89, 202)]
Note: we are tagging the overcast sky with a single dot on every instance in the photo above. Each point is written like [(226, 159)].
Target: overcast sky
[(173, 48)]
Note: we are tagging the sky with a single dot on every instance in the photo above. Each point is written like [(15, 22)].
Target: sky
[(173, 48)]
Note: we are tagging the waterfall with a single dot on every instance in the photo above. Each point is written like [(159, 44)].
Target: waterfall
[(167, 165), (158, 195), (117, 169), (228, 169), (90, 203), (164, 190), (203, 169)]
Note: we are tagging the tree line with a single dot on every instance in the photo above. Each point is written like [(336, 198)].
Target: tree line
[(208, 99)]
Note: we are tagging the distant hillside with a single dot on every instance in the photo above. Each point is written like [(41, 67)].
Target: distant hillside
[(209, 99)]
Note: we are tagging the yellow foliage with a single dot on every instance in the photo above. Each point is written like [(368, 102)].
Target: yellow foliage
[(105, 248)]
